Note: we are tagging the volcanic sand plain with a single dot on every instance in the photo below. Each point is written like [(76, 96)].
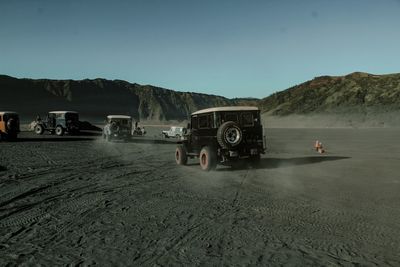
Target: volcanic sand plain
[(80, 200)]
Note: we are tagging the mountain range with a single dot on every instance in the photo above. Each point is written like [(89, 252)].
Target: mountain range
[(98, 97), (354, 93)]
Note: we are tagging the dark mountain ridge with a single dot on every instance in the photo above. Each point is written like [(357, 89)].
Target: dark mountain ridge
[(99, 97), (356, 93)]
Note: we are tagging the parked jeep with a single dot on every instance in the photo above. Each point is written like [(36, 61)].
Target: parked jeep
[(138, 130), (174, 131), (117, 127), (9, 125), (222, 135), (58, 122)]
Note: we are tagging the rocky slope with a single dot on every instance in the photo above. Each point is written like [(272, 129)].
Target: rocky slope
[(357, 92), (99, 97)]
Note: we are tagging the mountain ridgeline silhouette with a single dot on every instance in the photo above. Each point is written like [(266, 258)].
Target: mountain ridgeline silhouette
[(356, 93), (99, 97)]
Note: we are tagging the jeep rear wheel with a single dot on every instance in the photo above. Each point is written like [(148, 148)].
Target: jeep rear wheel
[(181, 155), (39, 129), (12, 125), (208, 159), (59, 130), (229, 135)]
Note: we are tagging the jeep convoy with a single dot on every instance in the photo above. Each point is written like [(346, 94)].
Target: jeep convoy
[(221, 135), (9, 125), (58, 122)]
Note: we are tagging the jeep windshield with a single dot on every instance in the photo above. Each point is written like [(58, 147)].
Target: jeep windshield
[(243, 118), (72, 116), (8, 116), (124, 122)]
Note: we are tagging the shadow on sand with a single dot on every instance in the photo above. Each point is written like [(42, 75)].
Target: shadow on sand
[(90, 133), (273, 163), (143, 140), (53, 139)]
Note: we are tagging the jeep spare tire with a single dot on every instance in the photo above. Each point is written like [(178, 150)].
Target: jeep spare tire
[(229, 135), (39, 129), (114, 127)]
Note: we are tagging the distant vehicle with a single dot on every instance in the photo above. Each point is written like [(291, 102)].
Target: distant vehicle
[(117, 127), (174, 131), (138, 130), (222, 135), (59, 123), (9, 125)]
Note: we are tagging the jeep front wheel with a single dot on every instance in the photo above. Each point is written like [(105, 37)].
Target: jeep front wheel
[(180, 155), (39, 129), (59, 130), (208, 159)]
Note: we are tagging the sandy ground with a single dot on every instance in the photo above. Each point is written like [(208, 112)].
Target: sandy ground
[(368, 119), (78, 200)]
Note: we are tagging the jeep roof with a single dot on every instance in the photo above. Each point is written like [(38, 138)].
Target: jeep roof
[(62, 112), (118, 117), (234, 108), (8, 112)]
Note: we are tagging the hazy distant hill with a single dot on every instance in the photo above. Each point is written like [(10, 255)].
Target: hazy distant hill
[(356, 92), (99, 97)]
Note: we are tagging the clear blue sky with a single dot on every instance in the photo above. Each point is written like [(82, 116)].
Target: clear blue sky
[(230, 48)]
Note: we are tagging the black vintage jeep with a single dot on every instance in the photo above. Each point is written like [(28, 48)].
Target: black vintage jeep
[(9, 125), (58, 122), (117, 127), (222, 135)]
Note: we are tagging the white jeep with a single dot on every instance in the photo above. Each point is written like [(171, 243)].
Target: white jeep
[(174, 131)]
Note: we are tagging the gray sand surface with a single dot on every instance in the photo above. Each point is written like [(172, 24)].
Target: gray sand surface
[(79, 200)]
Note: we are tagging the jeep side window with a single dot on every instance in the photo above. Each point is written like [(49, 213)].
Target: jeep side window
[(231, 117), (194, 122), (203, 121), (247, 119)]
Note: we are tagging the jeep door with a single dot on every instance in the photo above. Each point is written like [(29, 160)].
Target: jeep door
[(193, 139), (51, 120), (2, 125), (203, 131)]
